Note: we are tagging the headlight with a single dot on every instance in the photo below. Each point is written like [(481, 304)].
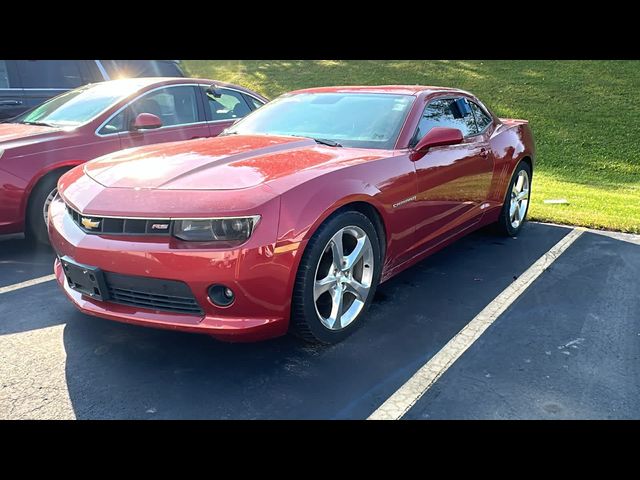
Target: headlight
[(232, 229)]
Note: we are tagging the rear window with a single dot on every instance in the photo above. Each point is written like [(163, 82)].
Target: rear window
[(141, 68)]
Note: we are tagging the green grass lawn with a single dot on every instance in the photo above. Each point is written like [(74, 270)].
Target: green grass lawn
[(585, 117)]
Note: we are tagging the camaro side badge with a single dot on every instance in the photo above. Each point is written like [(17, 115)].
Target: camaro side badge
[(159, 226), (88, 223), (410, 199)]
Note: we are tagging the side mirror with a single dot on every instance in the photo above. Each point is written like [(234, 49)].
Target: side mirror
[(146, 121), (436, 137)]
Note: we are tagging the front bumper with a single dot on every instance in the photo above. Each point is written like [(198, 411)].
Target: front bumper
[(261, 279)]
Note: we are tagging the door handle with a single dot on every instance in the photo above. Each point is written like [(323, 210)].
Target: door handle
[(484, 153), (10, 103)]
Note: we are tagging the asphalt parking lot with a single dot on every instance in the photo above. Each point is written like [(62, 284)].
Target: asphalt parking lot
[(568, 347)]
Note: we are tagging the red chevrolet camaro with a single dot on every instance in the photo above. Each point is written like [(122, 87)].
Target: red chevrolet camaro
[(293, 216), (37, 147)]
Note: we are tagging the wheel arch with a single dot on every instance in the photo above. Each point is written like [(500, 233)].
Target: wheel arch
[(365, 204), (302, 213), (369, 210), (53, 170), (528, 159)]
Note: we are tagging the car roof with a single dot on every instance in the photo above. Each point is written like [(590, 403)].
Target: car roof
[(143, 82), (393, 89), (150, 80)]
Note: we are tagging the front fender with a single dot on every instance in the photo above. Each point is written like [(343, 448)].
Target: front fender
[(305, 208), (384, 184)]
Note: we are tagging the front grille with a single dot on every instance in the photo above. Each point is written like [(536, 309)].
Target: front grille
[(152, 293), (120, 226)]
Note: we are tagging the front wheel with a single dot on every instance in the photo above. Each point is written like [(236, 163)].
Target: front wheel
[(516, 203), (337, 279)]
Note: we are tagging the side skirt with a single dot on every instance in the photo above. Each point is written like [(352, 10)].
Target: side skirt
[(488, 218)]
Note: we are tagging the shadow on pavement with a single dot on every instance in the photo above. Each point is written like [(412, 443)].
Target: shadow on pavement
[(33, 307), (21, 260), (121, 371)]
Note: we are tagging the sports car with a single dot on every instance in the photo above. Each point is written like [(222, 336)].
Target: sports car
[(291, 218)]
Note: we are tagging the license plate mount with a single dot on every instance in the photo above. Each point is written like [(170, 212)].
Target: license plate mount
[(85, 279)]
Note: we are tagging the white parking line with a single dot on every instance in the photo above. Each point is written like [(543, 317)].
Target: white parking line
[(406, 396), (28, 283)]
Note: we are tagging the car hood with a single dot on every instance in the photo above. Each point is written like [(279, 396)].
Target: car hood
[(18, 134), (223, 163)]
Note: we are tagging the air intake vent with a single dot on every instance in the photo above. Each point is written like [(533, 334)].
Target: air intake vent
[(151, 293)]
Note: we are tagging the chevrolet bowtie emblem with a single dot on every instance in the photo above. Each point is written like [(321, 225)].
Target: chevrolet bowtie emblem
[(89, 224)]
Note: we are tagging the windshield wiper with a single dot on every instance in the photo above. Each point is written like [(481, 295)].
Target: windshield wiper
[(40, 124), (326, 141)]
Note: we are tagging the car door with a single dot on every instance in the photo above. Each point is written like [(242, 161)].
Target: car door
[(43, 79), (177, 106), (223, 107), (11, 94), (453, 181)]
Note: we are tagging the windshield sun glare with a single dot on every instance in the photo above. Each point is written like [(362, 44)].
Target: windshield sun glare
[(78, 106), (361, 120)]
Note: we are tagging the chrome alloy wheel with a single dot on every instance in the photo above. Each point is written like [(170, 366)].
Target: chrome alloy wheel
[(47, 204), (343, 277), (519, 199)]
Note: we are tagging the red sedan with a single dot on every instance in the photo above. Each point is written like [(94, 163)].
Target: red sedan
[(37, 147), (290, 218)]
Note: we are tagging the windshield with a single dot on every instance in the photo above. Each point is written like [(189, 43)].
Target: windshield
[(364, 120), (78, 106)]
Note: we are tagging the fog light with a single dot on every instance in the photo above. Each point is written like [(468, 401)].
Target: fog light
[(221, 296)]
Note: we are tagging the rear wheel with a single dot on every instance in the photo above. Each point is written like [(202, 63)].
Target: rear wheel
[(337, 279), (516, 204), (38, 209)]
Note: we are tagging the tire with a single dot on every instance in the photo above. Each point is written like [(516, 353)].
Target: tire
[(507, 224), (36, 229), (313, 320)]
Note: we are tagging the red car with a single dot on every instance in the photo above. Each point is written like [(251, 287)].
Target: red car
[(293, 216), (37, 147)]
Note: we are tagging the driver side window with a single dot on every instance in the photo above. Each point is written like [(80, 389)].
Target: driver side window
[(445, 113), (173, 105)]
